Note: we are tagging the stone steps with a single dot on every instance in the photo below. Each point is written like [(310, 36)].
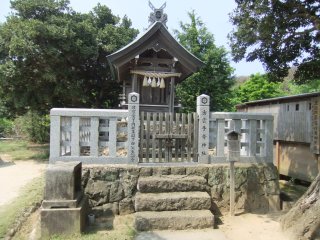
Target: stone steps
[(172, 201), (171, 183), (175, 220)]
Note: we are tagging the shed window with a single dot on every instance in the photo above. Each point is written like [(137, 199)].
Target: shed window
[(309, 106), (297, 107), (288, 108)]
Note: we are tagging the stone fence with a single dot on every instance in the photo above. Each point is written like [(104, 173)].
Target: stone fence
[(105, 136)]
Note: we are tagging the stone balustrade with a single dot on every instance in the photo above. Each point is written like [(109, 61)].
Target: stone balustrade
[(107, 136)]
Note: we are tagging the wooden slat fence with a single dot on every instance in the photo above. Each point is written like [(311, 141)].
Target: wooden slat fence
[(167, 137)]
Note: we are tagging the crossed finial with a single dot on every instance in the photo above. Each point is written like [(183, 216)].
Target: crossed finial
[(157, 15)]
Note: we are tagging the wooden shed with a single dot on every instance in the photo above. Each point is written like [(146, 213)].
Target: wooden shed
[(296, 132), (152, 65)]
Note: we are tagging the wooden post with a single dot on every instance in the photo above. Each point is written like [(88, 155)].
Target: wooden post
[(133, 128), (233, 140), (232, 186), (134, 83), (171, 101)]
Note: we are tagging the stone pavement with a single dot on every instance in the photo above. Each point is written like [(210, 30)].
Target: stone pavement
[(203, 234)]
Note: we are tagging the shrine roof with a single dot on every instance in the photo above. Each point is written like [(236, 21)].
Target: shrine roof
[(156, 37)]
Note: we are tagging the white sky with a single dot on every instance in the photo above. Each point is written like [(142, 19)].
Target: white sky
[(212, 12)]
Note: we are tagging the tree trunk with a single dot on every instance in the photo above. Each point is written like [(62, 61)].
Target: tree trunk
[(303, 220)]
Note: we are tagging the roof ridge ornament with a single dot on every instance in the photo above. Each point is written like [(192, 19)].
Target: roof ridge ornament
[(157, 15)]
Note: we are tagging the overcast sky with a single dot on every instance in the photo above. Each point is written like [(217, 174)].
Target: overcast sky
[(212, 12)]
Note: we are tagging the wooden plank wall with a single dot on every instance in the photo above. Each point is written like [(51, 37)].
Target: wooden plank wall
[(290, 124)]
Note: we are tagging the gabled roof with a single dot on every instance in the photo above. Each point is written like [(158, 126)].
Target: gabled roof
[(157, 36)]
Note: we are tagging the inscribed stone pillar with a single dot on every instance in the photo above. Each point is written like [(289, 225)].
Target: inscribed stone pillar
[(133, 128), (203, 111)]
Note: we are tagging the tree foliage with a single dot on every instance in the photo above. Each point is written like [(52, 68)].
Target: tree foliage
[(215, 78), (255, 88), (52, 56), (278, 33)]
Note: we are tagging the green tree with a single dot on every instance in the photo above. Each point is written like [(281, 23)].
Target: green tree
[(215, 78), (52, 56), (279, 34), (255, 88)]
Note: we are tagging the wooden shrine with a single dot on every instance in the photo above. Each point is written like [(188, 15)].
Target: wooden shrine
[(152, 65)]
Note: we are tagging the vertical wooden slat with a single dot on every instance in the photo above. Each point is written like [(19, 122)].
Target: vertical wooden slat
[(75, 146), (112, 137), (170, 132), (183, 131), (167, 128), (154, 131), (94, 137), (148, 137), (55, 131), (160, 132), (189, 124), (177, 141), (252, 137), (220, 137)]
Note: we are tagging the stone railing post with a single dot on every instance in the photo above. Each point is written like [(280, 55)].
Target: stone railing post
[(203, 111), (55, 122), (133, 128)]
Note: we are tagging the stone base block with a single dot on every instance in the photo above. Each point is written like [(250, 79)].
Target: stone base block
[(176, 220), (171, 183), (274, 203), (63, 221), (172, 201)]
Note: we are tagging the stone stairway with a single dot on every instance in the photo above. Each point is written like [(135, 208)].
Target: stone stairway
[(172, 202)]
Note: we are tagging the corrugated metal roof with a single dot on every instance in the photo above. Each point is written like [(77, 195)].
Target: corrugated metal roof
[(279, 99)]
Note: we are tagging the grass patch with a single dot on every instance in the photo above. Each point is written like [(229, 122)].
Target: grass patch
[(30, 194), (23, 150)]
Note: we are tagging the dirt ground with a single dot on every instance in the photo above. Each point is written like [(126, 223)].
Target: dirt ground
[(242, 227), (14, 175)]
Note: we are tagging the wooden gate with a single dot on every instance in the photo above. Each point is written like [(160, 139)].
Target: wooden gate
[(168, 137)]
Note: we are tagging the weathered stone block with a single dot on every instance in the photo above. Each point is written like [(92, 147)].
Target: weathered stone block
[(172, 201), (63, 181), (172, 183), (274, 203), (217, 175), (216, 192), (126, 206), (272, 187), (129, 185), (63, 221), (106, 210), (104, 174), (116, 192), (159, 171), (178, 170), (146, 171), (178, 220), (197, 171), (270, 172), (98, 192)]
